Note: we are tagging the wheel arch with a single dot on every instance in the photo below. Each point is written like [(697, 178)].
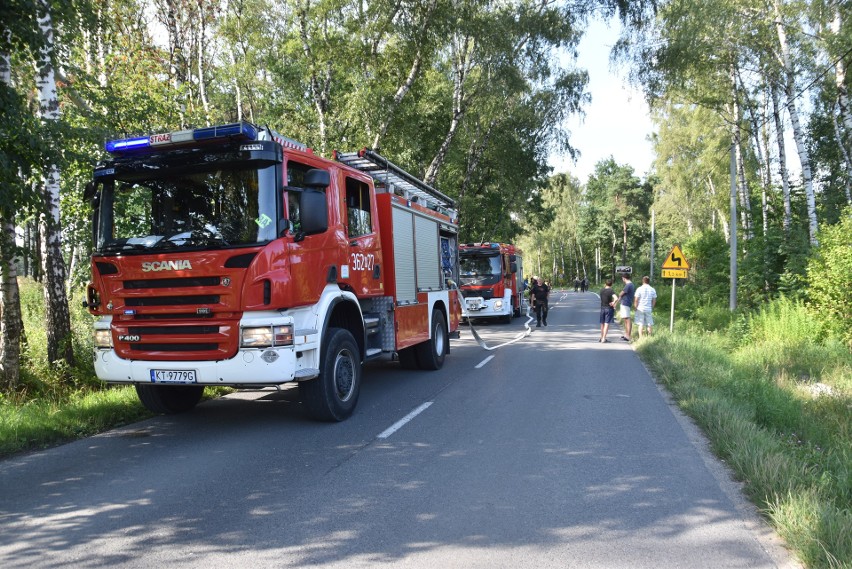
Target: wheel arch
[(345, 313), (441, 307)]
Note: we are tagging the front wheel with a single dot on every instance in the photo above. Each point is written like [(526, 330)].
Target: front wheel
[(431, 354), (333, 395), (169, 399)]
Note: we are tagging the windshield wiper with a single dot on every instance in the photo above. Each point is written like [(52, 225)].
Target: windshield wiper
[(114, 247), (194, 238)]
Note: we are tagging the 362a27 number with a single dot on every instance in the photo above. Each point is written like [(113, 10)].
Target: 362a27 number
[(361, 262)]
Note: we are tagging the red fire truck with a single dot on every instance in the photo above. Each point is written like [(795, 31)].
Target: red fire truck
[(231, 255), (491, 280)]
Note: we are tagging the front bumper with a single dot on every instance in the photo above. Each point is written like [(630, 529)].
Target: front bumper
[(249, 367), (478, 307)]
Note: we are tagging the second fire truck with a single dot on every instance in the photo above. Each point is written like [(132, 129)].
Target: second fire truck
[(233, 256), (491, 280)]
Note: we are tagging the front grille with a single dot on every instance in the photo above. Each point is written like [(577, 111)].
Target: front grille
[(173, 347), (486, 293), (172, 330), (173, 283), (173, 300), (173, 316)]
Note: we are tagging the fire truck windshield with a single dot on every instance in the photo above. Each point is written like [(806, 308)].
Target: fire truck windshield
[(195, 209), (480, 269)]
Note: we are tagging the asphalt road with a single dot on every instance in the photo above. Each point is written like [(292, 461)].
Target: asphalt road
[(555, 451)]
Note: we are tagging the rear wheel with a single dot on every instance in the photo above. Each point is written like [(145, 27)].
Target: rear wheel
[(431, 353), (333, 395), (169, 399)]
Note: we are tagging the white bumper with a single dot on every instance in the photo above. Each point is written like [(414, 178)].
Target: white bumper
[(478, 307), (250, 366)]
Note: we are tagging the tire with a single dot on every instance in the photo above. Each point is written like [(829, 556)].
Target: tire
[(334, 394), (408, 358), (169, 399), (431, 353), (516, 309)]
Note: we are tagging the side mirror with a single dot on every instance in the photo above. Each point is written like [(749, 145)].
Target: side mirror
[(512, 259), (316, 178), (314, 209), (513, 266)]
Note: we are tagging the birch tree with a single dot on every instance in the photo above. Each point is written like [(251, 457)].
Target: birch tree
[(58, 318), (789, 85)]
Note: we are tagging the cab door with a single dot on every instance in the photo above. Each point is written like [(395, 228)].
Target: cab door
[(361, 226)]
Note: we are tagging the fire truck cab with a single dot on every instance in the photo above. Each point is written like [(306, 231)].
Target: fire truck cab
[(233, 256), (491, 280)]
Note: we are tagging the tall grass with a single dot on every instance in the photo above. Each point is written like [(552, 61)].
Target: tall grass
[(44, 421), (773, 392)]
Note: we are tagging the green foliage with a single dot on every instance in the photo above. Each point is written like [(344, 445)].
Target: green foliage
[(829, 272), (776, 408), (710, 266), (41, 378), (49, 420)]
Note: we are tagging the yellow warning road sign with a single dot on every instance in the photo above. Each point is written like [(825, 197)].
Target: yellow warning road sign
[(674, 273), (675, 260)]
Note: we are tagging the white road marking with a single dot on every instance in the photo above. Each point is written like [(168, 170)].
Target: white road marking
[(399, 424), (485, 361)]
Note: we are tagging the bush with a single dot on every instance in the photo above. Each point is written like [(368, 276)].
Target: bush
[(829, 271), (39, 377)]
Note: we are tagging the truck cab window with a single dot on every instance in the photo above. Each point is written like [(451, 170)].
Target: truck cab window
[(360, 220)]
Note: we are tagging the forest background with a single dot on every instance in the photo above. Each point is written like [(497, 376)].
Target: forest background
[(472, 96)]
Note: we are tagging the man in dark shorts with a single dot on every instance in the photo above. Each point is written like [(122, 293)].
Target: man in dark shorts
[(607, 310)]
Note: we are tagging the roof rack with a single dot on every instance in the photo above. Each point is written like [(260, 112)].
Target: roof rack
[(396, 180)]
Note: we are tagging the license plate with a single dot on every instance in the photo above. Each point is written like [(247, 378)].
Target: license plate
[(173, 376)]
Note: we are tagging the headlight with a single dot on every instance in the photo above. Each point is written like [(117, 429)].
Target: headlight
[(498, 304), (103, 339), (267, 336)]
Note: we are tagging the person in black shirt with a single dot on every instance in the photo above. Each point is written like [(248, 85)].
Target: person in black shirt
[(607, 309), (540, 292)]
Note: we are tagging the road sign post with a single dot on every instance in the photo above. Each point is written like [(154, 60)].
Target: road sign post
[(671, 318), (675, 267)]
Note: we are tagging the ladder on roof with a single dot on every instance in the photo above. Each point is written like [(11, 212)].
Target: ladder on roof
[(396, 180)]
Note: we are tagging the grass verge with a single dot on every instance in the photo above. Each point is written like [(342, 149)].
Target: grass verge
[(777, 407), (39, 423)]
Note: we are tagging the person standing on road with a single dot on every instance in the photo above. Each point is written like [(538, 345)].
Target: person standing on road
[(540, 292), (645, 301), (607, 310), (625, 301)]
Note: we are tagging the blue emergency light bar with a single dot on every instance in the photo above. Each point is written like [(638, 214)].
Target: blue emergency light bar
[(235, 131)]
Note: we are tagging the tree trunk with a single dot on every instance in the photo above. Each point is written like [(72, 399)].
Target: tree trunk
[(397, 98), (461, 48), (798, 134), (57, 315), (718, 212), (202, 88), (736, 135), (782, 160), (413, 73), (847, 161), (319, 83), (11, 325), (840, 83)]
